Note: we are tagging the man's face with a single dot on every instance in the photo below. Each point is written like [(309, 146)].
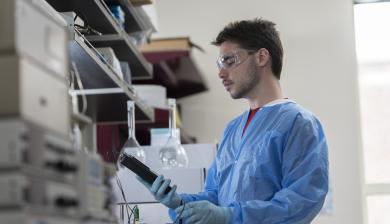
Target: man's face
[(238, 70)]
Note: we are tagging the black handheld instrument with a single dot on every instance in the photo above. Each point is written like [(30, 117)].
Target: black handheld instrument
[(140, 169)]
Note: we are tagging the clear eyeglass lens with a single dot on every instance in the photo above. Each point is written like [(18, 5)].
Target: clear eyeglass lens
[(227, 61), (233, 59)]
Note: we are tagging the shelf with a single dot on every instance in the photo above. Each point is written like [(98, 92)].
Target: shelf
[(145, 20), (124, 50), (109, 105), (135, 19), (100, 84), (81, 119), (94, 73), (141, 2), (94, 13), (177, 71)]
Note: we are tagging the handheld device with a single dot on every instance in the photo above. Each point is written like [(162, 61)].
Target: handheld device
[(140, 169)]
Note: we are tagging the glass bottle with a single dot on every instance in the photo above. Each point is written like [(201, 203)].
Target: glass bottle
[(172, 154), (136, 215), (132, 146)]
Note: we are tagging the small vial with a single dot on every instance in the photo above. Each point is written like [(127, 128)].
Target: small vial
[(136, 215)]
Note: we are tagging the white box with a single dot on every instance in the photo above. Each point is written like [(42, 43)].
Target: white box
[(26, 29), (126, 71), (109, 55), (160, 136), (30, 92), (152, 95)]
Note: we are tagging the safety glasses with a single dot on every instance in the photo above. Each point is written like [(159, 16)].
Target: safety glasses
[(233, 59)]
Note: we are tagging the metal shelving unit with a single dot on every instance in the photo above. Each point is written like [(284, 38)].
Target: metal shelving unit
[(94, 73), (109, 105), (99, 17), (133, 17), (106, 92), (94, 13), (125, 51)]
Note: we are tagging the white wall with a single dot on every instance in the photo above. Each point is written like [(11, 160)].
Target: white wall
[(319, 73)]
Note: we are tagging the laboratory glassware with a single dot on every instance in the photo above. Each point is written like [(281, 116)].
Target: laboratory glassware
[(172, 154), (132, 146)]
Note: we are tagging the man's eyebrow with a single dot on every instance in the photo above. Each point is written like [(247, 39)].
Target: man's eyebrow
[(228, 55)]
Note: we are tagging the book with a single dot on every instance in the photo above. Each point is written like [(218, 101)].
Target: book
[(169, 44), (141, 2)]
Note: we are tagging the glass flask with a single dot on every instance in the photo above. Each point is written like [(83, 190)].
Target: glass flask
[(132, 146), (172, 154)]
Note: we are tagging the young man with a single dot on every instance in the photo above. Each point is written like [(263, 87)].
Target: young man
[(272, 163)]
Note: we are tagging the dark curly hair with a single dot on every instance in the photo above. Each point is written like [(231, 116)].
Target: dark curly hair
[(253, 35)]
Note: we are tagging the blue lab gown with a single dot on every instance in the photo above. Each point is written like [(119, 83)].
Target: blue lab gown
[(277, 172)]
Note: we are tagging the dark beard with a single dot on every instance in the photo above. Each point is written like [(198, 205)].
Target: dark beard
[(253, 78)]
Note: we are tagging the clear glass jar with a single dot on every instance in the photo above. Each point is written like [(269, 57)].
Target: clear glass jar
[(172, 154), (131, 146)]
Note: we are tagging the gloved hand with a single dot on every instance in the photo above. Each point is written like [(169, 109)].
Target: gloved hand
[(204, 212), (157, 189)]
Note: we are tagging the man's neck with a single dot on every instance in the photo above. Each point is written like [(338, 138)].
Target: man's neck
[(268, 91)]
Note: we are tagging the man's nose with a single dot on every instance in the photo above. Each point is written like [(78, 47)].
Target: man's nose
[(222, 73)]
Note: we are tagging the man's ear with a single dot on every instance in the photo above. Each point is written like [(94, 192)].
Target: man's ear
[(262, 57)]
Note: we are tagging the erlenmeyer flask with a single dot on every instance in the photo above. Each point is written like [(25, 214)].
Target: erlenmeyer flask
[(172, 154), (132, 146)]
